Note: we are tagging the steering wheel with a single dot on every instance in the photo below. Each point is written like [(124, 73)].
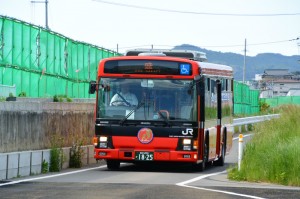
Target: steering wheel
[(120, 103), (164, 113)]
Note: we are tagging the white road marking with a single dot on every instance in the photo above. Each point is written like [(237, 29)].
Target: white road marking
[(51, 176), (183, 184), (199, 178), (226, 192)]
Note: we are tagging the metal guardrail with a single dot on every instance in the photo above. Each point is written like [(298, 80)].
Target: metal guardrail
[(254, 119)]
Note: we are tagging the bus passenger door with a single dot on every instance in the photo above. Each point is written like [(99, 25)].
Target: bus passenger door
[(219, 115)]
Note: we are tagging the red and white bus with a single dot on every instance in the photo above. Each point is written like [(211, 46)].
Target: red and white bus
[(181, 110)]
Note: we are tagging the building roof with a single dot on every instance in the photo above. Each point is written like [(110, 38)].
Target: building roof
[(285, 81), (294, 92), (277, 72)]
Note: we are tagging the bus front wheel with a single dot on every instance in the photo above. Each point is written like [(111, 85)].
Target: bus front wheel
[(202, 165), (113, 164), (221, 160)]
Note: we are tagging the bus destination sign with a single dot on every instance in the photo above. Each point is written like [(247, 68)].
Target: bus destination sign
[(159, 67)]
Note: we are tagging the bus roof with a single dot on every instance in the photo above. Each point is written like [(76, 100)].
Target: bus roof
[(212, 69), (205, 68), (186, 54)]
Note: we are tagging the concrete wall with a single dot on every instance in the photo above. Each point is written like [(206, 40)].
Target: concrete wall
[(26, 163), (34, 125)]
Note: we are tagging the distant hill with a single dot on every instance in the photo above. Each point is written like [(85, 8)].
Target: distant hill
[(254, 65)]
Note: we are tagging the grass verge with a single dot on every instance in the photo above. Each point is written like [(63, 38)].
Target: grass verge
[(273, 155)]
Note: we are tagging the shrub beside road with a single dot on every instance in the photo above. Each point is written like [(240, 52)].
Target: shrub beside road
[(273, 155)]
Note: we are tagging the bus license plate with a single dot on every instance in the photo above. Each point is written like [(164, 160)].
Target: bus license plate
[(144, 156)]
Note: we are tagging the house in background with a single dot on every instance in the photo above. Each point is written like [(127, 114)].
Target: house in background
[(277, 82), (294, 92)]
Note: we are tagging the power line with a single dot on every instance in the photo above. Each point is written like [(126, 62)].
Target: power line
[(196, 13), (254, 44), (219, 46)]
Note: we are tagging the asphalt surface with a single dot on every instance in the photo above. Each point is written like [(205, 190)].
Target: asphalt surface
[(150, 181)]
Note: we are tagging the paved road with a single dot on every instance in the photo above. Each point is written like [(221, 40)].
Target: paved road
[(152, 181)]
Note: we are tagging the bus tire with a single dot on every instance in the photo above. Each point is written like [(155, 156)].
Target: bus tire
[(221, 160), (113, 164), (202, 165)]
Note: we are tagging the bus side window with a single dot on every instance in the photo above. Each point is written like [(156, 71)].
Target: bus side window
[(208, 84), (224, 84)]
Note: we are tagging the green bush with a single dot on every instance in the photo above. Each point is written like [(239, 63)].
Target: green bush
[(56, 153), (45, 166), (22, 94), (264, 107), (55, 160), (76, 154), (69, 99), (61, 98), (55, 98), (273, 153)]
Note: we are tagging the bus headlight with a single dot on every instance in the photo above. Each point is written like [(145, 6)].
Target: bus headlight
[(186, 141), (103, 142), (186, 144), (103, 139)]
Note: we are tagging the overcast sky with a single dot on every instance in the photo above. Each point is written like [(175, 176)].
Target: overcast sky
[(219, 25)]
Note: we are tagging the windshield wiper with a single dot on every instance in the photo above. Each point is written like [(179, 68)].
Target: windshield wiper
[(132, 111), (126, 102)]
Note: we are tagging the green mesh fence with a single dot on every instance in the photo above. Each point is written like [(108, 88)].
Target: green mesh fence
[(43, 63), (282, 100), (246, 101)]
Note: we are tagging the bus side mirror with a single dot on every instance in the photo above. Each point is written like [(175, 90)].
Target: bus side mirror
[(92, 88), (201, 86)]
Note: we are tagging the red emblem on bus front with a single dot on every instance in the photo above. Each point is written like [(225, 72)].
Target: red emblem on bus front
[(145, 135)]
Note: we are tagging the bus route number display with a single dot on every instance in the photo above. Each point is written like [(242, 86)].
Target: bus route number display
[(159, 67)]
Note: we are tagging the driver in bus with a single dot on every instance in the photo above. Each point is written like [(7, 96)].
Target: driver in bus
[(124, 98)]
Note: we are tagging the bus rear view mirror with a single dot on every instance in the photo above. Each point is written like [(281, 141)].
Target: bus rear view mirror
[(147, 83), (92, 88)]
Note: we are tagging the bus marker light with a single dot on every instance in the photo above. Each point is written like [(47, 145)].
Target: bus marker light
[(195, 146), (95, 141)]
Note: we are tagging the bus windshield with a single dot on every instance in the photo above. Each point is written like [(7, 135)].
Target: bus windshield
[(146, 99)]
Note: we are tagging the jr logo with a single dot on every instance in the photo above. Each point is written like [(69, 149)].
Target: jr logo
[(187, 131)]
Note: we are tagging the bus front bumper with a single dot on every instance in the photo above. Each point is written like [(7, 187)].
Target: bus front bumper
[(129, 155)]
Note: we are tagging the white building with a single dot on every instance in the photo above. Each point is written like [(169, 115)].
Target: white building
[(294, 92), (277, 82)]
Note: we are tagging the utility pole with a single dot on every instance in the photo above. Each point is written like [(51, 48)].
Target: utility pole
[(46, 11), (244, 71)]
